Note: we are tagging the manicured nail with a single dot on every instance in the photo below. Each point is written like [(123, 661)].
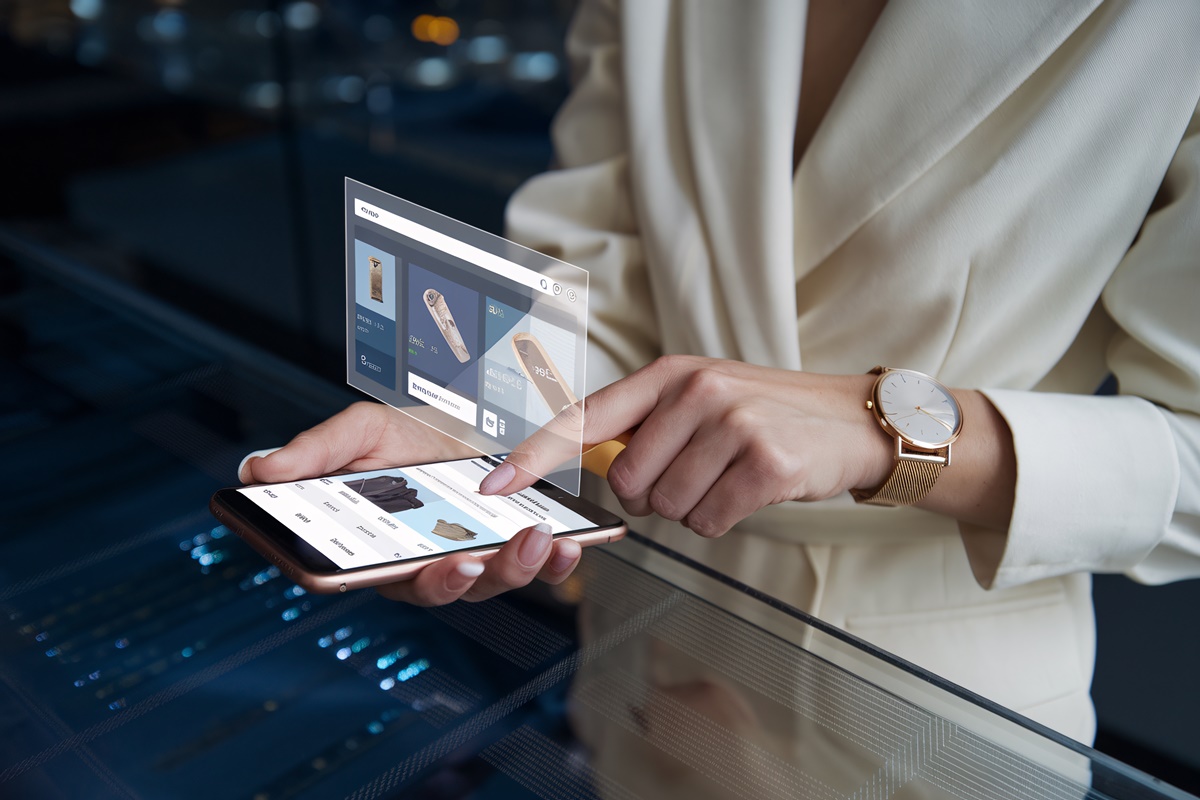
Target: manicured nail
[(463, 575), (497, 479), (243, 475), (536, 543), (564, 556)]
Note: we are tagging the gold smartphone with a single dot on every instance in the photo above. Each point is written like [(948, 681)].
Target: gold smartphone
[(376, 278), (541, 372), (435, 301), (336, 533)]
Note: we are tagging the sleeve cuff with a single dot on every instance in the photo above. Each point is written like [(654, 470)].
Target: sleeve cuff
[(1097, 479)]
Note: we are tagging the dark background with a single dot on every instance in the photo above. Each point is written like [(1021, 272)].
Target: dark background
[(196, 152)]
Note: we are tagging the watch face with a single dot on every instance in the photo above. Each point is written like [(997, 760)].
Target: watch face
[(918, 408)]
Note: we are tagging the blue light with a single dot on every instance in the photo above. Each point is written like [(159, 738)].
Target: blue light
[(52, 652), (342, 633), (291, 614), (361, 644), (383, 662), (86, 9), (343, 654), (534, 67), (387, 683), (170, 25), (267, 574), (325, 641), (412, 670), (301, 16), (121, 644), (187, 652), (375, 728), (487, 49)]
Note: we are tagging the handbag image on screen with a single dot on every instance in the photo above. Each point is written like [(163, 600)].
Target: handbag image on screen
[(453, 531), (376, 278), (436, 303), (541, 372), (390, 493)]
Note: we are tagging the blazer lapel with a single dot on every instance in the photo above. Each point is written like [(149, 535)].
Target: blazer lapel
[(741, 83), (928, 74)]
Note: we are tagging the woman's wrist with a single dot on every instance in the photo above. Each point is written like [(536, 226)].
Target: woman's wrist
[(980, 484)]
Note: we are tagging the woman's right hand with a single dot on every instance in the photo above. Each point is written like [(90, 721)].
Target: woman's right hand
[(369, 436)]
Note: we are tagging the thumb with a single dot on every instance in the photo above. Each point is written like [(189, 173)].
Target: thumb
[(245, 470), (320, 450)]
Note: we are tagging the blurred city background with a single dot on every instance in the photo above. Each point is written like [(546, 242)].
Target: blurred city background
[(194, 152), (197, 150)]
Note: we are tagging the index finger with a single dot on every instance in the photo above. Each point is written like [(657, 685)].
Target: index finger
[(603, 415)]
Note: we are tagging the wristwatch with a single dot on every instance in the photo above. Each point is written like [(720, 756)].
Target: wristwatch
[(925, 419)]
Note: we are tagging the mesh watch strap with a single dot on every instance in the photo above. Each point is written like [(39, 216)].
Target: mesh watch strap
[(910, 481)]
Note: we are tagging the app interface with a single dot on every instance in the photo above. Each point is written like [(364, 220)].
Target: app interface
[(468, 332), (393, 514)]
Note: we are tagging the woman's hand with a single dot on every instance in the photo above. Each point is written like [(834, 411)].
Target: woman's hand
[(717, 440), (369, 436), (714, 441)]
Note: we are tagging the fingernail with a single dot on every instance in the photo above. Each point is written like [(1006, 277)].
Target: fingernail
[(463, 575), (497, 479), (534, 548), (561, 560), (243, 475)]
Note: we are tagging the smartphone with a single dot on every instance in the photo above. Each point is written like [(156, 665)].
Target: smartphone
[(363, 529), (376, 278), (435, 301), (541, 371)]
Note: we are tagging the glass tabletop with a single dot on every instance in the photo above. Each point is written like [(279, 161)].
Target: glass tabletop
[(146, 652)]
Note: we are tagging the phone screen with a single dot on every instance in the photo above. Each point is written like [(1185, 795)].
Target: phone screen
[(368, 518)]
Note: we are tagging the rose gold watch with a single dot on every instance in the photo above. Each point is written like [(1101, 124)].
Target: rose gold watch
[(923, 417)]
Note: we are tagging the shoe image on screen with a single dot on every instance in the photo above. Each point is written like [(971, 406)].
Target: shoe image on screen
[(390, 493), (453, 531), (540, 371), (376, 278), (436, 304)]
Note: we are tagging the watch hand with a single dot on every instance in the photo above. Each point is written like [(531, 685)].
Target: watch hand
[(937, 419)]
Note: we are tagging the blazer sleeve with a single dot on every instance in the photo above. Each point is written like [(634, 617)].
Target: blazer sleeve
[(1112, 484), (583, 212)]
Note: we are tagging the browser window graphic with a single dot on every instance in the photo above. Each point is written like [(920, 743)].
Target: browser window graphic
[(465, 331)]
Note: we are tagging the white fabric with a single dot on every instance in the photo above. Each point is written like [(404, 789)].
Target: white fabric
[(998, 196)]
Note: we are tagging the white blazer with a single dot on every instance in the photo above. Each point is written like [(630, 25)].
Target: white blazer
[(1006, 196)]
